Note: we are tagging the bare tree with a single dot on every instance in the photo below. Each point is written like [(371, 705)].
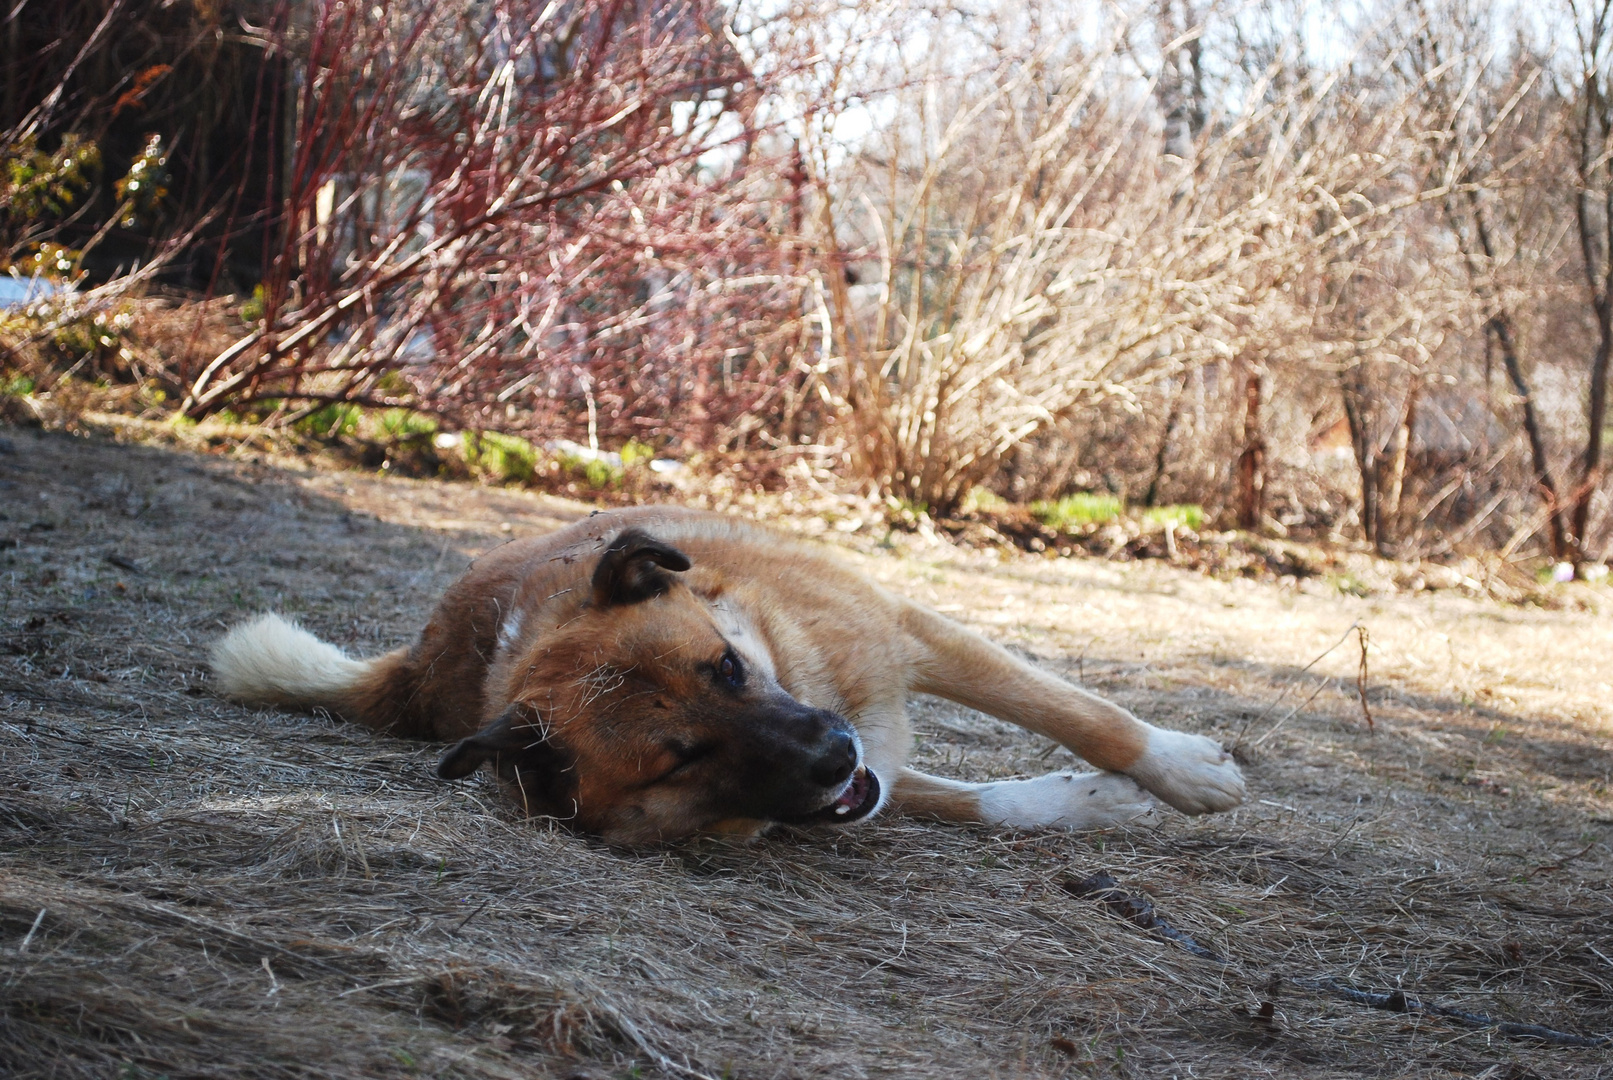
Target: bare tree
[(1593, 215), (1502, 127)]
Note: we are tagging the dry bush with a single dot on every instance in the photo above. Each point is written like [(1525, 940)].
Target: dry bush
[(1055, 227), (520, 217), (1032, 248)]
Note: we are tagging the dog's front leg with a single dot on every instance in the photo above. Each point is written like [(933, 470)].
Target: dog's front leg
[(1058, 800), (1190, 772)]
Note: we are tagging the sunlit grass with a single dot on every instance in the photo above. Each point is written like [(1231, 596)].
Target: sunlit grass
[(502, 458), (1085, 510), (1186, 515), (1078, 511)]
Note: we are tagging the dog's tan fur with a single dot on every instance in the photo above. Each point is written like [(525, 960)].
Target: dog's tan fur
[(526, 642)]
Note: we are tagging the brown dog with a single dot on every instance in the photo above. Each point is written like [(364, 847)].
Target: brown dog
[(650, 673)]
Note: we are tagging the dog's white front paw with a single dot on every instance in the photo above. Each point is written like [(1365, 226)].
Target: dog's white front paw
[(1067, 801), (1189, 772)]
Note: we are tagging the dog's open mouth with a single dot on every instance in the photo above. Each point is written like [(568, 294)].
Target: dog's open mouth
[(856, 802)]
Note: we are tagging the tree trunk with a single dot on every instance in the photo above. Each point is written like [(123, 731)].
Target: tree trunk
[(1597, 252), (1252, 460), (1160, 455), (1500, 324), (13, 117), (1180, 88), (1591, 470), (1393, 484), (1366, 454)]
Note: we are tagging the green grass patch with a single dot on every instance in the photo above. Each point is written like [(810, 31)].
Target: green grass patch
[(258, 412), (253, 308), (333, 420), (982, 500), (504, 459), (636, 453), (1187, 515), (404, 425), (1085, 510), (1349, 585), (595, 472), (602, 474), (1078, 511)]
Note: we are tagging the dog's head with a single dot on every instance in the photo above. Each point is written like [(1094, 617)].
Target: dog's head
[(638, 720)]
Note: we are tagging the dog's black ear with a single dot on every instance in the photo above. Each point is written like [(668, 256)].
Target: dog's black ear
[(524, 756), (634, 568), (517, 732)]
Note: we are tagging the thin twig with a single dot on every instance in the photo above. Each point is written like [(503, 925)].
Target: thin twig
[(1361, 678), (1279, 699), (1291, 713), (460, 925), (29, 936), (1564, 861)]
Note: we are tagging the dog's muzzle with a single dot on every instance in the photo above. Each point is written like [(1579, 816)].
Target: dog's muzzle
[(856, 800)]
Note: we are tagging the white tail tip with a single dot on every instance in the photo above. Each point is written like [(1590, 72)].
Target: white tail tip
[(274, 662)]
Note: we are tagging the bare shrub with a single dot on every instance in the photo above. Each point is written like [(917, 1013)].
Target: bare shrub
[(1032, 247), (520, 216)]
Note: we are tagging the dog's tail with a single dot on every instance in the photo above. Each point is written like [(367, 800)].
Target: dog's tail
[(269, 661)]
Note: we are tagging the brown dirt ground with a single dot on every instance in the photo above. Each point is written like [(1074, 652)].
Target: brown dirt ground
[(189, 888)]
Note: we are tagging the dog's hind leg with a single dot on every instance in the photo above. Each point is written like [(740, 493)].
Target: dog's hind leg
[(1189, 772), (1058, 800)]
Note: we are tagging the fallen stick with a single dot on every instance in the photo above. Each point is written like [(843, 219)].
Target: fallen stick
[(1135, 910), (1104, 890), (1401, 1002)]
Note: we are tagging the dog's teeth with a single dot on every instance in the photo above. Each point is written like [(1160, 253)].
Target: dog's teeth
[(842, 809)]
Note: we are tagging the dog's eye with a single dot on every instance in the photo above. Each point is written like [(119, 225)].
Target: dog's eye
[(730, 672)]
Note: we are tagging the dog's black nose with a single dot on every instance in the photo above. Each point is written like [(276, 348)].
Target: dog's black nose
[(837, 762)]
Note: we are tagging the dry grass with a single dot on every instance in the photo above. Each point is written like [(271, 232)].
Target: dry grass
[(189, 888)]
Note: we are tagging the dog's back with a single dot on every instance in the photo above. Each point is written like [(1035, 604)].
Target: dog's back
[(437, 688)]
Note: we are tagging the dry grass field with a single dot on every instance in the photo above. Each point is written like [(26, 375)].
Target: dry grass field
[(189, 888)]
